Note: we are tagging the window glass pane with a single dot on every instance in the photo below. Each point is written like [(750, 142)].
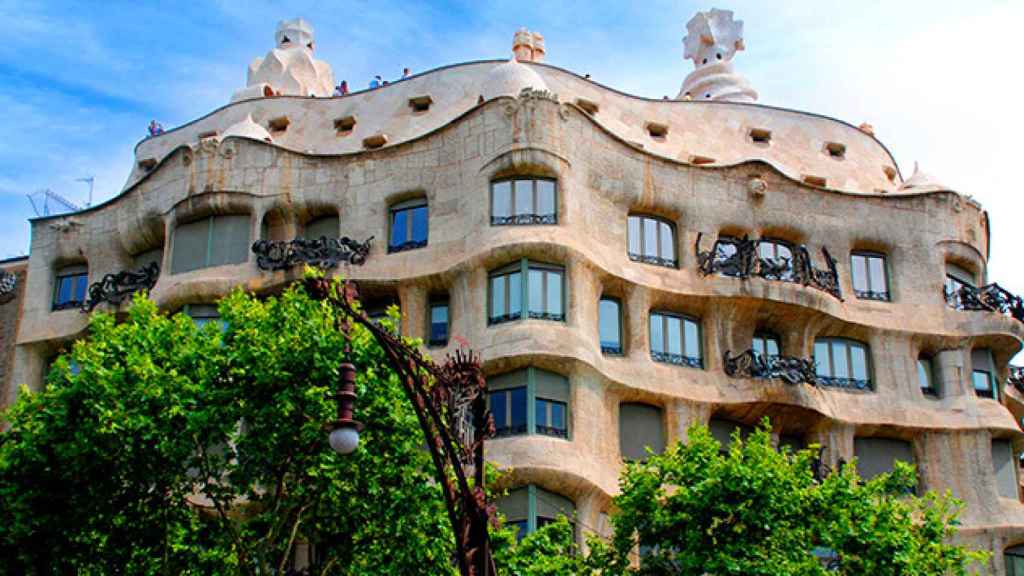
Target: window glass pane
[(498, 296), (859, 357), (189, 247), (657, 333), (517, 397), (772, 346), (536, 287), (840, 363), (608, 313), (230, 241), (524, 197), (860, 273), (766, 250), (501, 199), (515, 293), (982, 381), (439, 323), (81, 287), (675, 336), (558, 415), (545, 197), (634, 234), (499, 407), (650, 237), (554, 295), (540, 408), (757, 345), (876, 267), (924, 373), (63, 289), (821, 359), (399, 227), (419, 224), (668, 248), (692, 339)]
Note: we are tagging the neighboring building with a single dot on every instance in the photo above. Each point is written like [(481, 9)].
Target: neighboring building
[(612, 258)]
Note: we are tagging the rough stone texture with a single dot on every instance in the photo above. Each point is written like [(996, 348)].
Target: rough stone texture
[(10, 314), (601, 179)]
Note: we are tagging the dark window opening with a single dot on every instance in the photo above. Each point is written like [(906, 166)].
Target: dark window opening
[(409, 226)]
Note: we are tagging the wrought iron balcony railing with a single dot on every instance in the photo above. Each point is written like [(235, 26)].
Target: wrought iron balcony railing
[(611, 349), (407, 245), (556, 316), (677, 359), (116, 288), (656, 260), (881, 296), (750, 364), (326, 253), (502, 318), (1016, 378), (552, 431), (847, 383), (524, 219), (989, 298), (8, 284), (743, 260)]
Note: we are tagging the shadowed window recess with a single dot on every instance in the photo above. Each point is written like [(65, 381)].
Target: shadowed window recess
[(530, 401), (212, 241), (983, 374), (409, 225), (542, 295), (70, 287), (641, 426), (610, 325), (531, 507)]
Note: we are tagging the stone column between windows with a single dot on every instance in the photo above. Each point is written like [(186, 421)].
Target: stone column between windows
[(951, 366), (413, 301), (837, 440), (589, 520), (682, 414)]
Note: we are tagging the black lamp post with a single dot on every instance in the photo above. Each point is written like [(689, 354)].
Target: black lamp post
[(451, 407)]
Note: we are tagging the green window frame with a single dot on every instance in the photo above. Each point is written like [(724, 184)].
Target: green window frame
[(524, 201), (531, 507), (216, 240), (542, 295), (543, 397)]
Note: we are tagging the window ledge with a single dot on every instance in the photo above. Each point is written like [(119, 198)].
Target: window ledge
[(410, 245), (677, 360), (655, 260), (524, 220)]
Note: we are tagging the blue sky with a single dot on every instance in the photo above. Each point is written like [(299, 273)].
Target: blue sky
[(939, 80)]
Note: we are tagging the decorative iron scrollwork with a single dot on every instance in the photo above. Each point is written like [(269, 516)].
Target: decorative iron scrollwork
[(847, 383), (750, 364), (407, 245), (677, 359), (116, 288), (740, 258), (8, 285), (880, 295), (524, 219), (656, 260), (1016, 378), (325, 253), (988, 298)]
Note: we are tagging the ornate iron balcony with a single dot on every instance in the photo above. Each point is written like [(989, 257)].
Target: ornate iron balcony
[(989, 298), (1016, 378), (559, 317), (847, 383), (116, 288), (407, 245), (326, 253), (750, 364), (524, 219), (552, 431), (744, 261), (677, 359), (656, 260), (881, 296), (8, 284)]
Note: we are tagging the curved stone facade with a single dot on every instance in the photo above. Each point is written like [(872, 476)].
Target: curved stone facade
[(593, 142)]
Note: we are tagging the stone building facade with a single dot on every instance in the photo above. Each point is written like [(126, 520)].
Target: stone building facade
[(625, 266)]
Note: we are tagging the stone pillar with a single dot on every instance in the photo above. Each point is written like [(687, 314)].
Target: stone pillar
[(681, 414), (837, 440), (413, 302), (952, 377)]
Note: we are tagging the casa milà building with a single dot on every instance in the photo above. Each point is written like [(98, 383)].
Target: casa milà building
[(625, 266)]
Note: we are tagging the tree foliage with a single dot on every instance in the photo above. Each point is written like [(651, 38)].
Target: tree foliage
[(752, 509)]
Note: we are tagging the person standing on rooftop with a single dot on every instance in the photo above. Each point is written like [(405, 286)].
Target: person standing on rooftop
[(375, 83), (341, 89), (155, 129), (406, 73)]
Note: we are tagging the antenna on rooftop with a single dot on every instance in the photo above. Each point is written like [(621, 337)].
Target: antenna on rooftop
[(90, 180), (46, 202)]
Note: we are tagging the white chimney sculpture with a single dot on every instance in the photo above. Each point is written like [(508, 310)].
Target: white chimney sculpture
[(289, 69), (712, 39)]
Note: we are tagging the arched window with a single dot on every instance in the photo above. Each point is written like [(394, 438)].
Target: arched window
[(983, 373), (531, 507), (610, 325), (409, 225), (530, 401), (522, 201), (676, 339), (542, 295), (211, 241), (843, 363), (70, 286), (641, 427), (652, 240), (323, 227), (1014, 560), (765, 344)]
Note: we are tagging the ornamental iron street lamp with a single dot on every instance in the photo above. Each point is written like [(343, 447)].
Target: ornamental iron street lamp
[(451, 407)]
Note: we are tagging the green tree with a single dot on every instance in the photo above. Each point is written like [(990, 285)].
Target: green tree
[(752, 509)]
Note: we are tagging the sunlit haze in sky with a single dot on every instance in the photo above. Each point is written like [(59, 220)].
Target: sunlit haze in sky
[(940, 81)]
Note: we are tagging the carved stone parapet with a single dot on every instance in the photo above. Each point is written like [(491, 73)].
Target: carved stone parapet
[(116, 288), (740, 258), (750, 364), (325, 253), (988, 298)]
